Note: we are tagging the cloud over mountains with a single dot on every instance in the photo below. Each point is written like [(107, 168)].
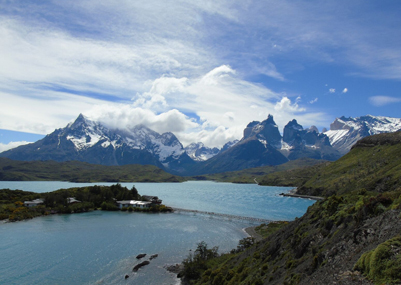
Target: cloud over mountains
[(202, 70)]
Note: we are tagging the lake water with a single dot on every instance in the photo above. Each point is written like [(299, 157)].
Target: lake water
[(100, 247)]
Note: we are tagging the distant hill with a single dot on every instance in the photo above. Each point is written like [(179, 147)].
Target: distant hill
[(259, 174), (76, 171)]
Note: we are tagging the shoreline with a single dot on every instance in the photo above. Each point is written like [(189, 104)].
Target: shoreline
[(250, 231)]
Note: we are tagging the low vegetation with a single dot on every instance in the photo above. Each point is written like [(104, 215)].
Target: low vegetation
[(76, 171), (279, 175)]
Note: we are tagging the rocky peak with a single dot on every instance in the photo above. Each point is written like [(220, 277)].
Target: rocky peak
[(266, 131), (292, 132), (313, 129), (249, 128)]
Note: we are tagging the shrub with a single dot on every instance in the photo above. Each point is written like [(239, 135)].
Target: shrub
[(383, 264)]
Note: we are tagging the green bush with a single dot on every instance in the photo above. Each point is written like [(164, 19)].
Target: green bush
[(383, 264)]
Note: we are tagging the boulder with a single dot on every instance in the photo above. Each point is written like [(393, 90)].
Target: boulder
[(126, 276), (153, 256)]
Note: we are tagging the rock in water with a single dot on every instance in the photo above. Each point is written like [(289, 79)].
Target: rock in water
[(136, 267), (139, 256), (153, 256)]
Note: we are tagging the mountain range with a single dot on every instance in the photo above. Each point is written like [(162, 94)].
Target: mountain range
[(262, 144)]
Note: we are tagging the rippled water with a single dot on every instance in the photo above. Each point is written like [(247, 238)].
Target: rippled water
[(100, 247)]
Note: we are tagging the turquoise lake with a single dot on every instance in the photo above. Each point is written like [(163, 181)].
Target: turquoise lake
[(100, 247)]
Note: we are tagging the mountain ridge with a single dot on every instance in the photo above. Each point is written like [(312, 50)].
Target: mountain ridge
[(261, 145)]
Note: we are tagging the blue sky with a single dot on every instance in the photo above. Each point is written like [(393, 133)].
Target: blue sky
[(200, 69)]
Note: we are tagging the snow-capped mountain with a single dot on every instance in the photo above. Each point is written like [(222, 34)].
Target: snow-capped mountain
[(199, 152), (345, 132), (262, 144), (92, 142)]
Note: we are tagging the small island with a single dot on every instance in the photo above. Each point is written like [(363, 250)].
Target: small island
[(16, 205)]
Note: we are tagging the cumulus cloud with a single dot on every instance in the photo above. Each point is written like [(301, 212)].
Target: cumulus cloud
[(10, 145), (285, 105), (121, 116), (332, 90), (345, 90), (379, 101), (220, 103)]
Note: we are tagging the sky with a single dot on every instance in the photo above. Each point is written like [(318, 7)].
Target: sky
[(200, 69)]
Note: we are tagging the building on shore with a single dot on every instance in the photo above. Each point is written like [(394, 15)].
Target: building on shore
[(33, 203), (134, 204)]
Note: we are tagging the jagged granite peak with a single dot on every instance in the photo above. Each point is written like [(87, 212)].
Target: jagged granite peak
[(266, 132), (299, 142), (345, 132), (292, 132), (313, 129), (200, 152), (249, 128)]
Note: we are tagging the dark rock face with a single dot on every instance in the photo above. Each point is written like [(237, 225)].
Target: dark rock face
[(258, 147), (139, 256), (266, 130), (307, 143)]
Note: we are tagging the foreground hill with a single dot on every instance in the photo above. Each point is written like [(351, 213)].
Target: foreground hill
[(76, 171), (351, 237)]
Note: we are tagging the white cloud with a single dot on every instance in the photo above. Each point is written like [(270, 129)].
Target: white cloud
[(222, 104), (313, 101), (43, 112), (332, 90), (10, 145), (285, 105), (379, 101), (345, 90)]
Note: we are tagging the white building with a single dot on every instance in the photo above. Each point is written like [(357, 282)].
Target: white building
[(133, 203), (33, 203)]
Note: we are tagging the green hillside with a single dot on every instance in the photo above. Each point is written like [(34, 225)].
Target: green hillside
[(351, 237), (75, 171), (373, 164), (259, 173)]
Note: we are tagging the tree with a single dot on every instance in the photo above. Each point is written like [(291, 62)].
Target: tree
[(135, 193)]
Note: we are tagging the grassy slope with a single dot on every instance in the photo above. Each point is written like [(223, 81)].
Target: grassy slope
[(75, 171), (259, 173), (349, 231)]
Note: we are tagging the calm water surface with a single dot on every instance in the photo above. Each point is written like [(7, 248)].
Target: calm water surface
[(100, 247)]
